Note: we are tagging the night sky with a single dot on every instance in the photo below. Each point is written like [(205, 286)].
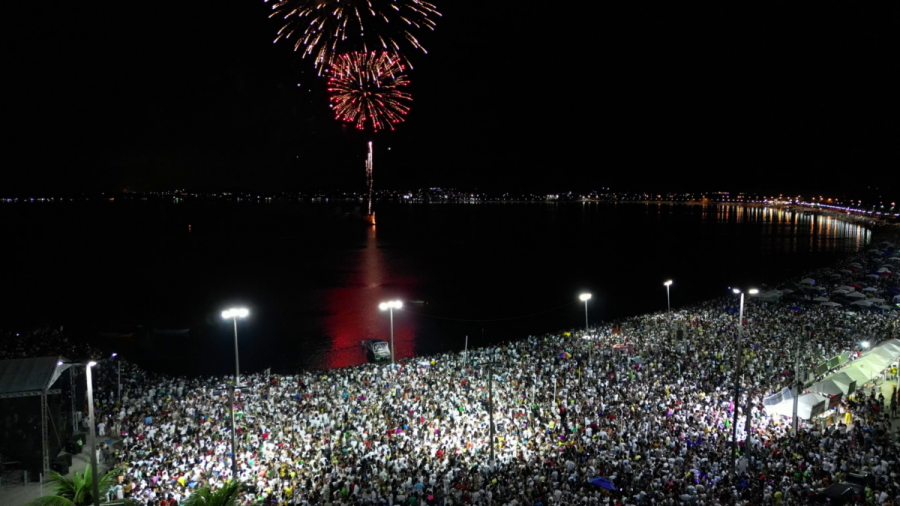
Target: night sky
[(514, 94)]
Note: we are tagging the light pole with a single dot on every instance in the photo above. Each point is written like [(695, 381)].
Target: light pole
[(234, 314), (95, 471), (585, 297), (668, 299), (390, 306), (119, 374), (737, 383)]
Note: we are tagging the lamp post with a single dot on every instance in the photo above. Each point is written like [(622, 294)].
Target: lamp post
[(95, 471), (391, 306), (234, 314), (585, 297), (119, 376), (737, 372), (667, 284)]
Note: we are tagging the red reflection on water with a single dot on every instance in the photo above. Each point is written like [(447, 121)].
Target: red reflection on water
[(353, 314)]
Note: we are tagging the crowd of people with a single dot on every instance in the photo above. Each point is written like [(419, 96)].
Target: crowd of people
[(646, 403)]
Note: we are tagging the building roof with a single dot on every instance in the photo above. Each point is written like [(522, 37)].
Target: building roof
[(29, 375)]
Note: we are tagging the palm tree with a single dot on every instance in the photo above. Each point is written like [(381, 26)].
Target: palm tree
[(225, 496), (75, 492)]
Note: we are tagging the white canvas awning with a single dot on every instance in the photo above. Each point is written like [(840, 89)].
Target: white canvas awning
[(808, 406), (835, 384)]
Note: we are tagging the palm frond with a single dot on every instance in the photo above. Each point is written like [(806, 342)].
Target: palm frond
[(225, 496), (61, 486), (50, 500)]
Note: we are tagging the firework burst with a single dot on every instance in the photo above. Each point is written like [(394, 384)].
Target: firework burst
[(326, 28), (366, 87)]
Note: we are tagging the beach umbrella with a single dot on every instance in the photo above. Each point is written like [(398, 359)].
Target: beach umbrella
[(565, 354), (601, 482)]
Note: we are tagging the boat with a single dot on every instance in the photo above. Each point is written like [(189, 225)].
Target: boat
[(379, 349)]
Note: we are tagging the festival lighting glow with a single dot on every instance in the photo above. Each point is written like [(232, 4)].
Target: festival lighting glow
[(366, 87), (327, 28)]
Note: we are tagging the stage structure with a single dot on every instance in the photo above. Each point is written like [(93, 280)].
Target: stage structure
[(20, 381)]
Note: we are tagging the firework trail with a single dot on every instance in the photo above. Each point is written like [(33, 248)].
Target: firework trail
[(327, 28)]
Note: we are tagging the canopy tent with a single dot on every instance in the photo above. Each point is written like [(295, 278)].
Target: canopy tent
[(856, 264), (808, 406), (876, 300), (870, 289), (821, 299), (896, 298), (883, 269), (808, 281), (847, 288), (856, 295), (769, 296), (846, 271), (862, 303), (830, 304), (835, 384), (854, 372)]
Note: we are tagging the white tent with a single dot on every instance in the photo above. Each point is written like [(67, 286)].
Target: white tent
[(876, 300), (870, 289), (856, 264), (835, 384), (856, 295), (830, 304), (808, 406), (863, 303), (892, 345), (808, 281), (896, 298), (884, 269), (821, 299), (846, 288)]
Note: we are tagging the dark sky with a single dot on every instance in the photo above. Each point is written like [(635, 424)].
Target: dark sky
[(513, 94)]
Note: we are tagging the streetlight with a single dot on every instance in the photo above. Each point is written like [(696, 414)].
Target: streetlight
[(737, 371), (119, 372), (585, 297), (234, 314), (390, 306), (667, 284), (95, 471)]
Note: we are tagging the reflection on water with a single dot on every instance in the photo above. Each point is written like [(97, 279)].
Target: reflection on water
[(353, 313), (825, 232)]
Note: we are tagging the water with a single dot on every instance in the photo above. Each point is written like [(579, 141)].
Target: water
[(313, 277)]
